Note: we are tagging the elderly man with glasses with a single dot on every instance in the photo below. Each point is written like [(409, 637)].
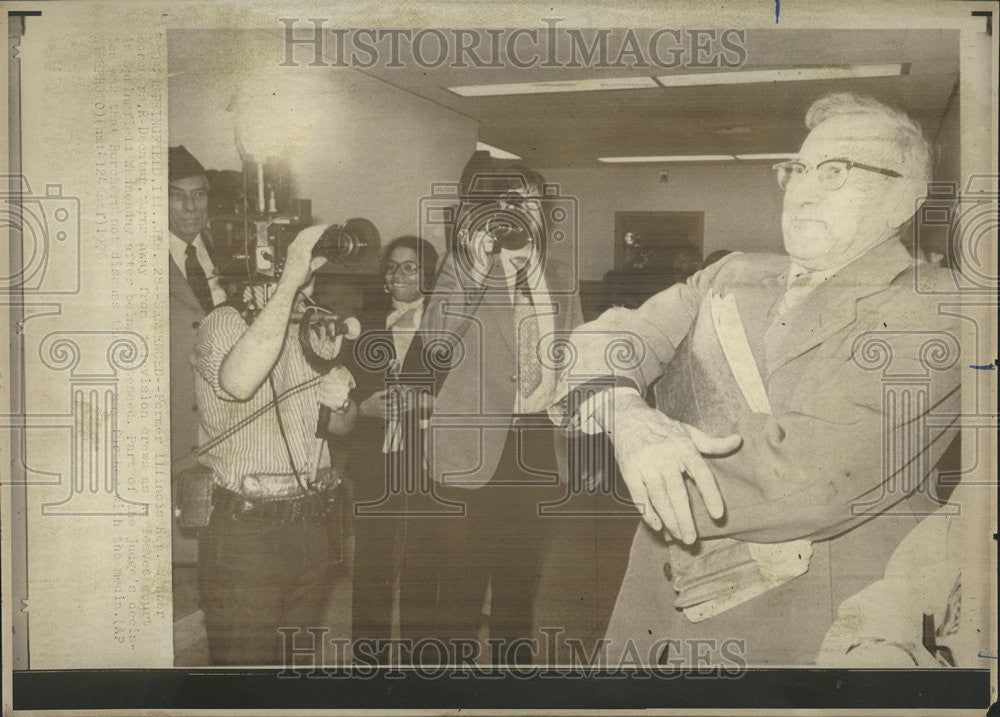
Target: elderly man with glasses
[(775, 475)]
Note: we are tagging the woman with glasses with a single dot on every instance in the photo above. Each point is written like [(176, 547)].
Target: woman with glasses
[(394, 385)]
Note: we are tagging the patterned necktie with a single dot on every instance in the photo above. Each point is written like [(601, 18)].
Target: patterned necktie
[(197, 279), (529, 368)]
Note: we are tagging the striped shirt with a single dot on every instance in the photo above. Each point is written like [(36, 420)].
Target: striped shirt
[(241, 441)]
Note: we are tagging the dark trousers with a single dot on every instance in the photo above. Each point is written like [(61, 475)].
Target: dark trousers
[(256, 575), (377, 517), (385, 502), (498, 541)]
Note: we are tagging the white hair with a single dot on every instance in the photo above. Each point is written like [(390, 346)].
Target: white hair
[(904, 132)]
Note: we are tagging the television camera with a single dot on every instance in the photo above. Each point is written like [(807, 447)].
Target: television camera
[(254, 219)]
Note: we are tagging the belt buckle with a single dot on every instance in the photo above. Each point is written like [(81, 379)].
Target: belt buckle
[(245, 506)]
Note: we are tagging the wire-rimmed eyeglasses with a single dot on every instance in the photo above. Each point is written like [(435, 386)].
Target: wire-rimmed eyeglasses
[(831, 174)]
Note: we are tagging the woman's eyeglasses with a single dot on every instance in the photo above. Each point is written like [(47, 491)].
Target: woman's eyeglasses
[(409, 268)]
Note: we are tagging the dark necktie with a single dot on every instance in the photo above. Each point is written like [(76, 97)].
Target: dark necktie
[(529, 368), (197, 279)]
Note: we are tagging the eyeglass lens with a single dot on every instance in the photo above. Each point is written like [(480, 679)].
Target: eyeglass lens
[(408, 267), (831, 174)]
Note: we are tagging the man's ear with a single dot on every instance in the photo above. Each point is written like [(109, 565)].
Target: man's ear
[(905, 202)]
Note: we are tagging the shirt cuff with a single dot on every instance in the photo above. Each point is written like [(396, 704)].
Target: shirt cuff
[(595, 412)]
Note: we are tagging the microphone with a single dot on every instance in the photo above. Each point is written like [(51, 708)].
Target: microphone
[(350, 329)]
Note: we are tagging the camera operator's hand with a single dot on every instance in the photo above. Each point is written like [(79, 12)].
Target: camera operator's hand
[(335, 388), (479, 249), (299, 261), (248, 364)]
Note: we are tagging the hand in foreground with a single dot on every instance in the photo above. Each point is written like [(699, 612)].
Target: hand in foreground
[(374, 405), (655, 453), (479, 250), (335, 388)]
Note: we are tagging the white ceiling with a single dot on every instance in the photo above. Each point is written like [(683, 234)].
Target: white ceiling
[(572, 129)]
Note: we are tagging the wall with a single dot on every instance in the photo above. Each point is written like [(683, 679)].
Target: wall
[(742, 205), (359, 147)]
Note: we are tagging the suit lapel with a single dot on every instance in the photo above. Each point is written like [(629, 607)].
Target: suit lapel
[(556, 283), (180, 289), (756, 300), (413, 361), (558, 303), (213, 255), (494, 299), (833, 305)]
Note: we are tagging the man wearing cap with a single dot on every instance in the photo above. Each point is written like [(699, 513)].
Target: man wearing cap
[(194, 291)]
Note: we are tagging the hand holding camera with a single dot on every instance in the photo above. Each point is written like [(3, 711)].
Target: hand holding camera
[(479, 247), (300, 262)]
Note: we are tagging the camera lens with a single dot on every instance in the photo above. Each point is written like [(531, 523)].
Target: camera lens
[(347, 243), (508, 231)]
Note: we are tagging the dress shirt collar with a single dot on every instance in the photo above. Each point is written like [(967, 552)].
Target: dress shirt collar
[(400, 309), (809, 277), (178, 251)]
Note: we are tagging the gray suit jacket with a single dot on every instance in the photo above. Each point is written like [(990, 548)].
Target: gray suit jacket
[(473, 409), (185, 317), (852, 375)]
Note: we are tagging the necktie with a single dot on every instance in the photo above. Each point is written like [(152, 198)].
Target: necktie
[(529, 368), (800, 286), (197, 279)]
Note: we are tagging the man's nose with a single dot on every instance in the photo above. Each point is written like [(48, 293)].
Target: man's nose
[(190, 205), (804, 189)]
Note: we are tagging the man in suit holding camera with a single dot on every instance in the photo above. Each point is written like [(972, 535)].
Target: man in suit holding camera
[(499, 300)]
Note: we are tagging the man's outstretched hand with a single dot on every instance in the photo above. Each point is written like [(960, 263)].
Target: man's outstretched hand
[(655, 453)]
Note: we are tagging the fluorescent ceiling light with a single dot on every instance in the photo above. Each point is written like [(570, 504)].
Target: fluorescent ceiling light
[(786, 74), (532, 88), (496, 152), (669, 158), (773, 155), (694, 158), (690, 79)]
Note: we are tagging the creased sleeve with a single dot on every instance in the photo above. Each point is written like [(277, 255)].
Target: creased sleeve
[(855, 448), (633, 346), (218, 334)]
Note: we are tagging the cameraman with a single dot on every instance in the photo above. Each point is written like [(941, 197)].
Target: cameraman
[(263, 560)]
